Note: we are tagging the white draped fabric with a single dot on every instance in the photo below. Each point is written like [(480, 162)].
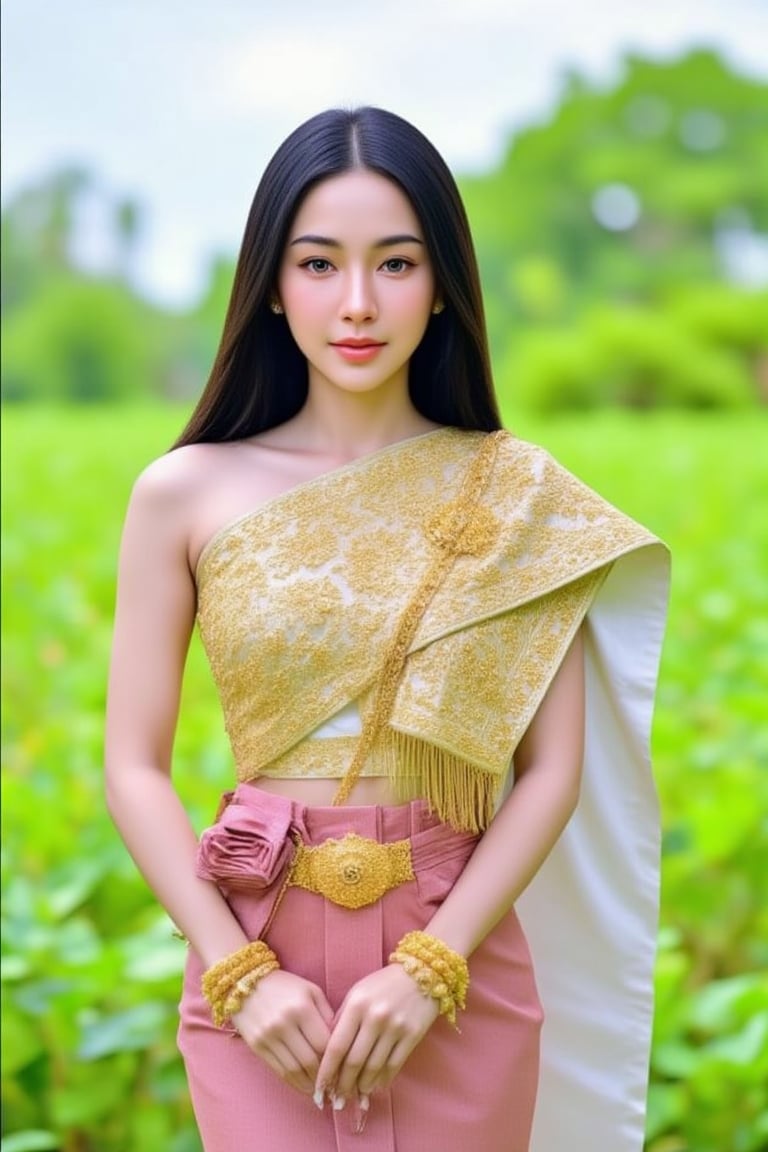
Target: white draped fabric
[(591, 913)]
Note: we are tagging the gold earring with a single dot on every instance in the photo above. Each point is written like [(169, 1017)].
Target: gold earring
[(276, 307), (437, 308)]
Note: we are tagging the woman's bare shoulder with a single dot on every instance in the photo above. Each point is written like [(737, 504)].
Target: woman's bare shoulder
[(181, 474), (188, 494), (169, 490)]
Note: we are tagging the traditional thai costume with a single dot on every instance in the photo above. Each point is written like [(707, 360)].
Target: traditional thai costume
[(432, 589)]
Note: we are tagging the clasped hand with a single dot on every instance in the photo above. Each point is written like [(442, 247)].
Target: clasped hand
[(288, 1021)]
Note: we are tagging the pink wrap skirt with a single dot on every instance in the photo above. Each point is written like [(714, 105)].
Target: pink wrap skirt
[(457, 1091)]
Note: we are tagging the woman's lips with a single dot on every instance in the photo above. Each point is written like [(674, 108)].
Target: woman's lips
[(358, 351)]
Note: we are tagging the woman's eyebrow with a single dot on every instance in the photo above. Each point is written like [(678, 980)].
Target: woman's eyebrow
[(385, 242)]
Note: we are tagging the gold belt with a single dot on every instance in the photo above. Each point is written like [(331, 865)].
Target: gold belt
[(353, 871)]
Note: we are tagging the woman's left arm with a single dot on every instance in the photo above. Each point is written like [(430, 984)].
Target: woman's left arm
[(384, 1016), (526, 828)]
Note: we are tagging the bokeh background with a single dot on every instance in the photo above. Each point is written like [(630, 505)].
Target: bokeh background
[(614, 162)]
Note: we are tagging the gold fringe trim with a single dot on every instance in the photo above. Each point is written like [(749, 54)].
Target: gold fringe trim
[(457, 792)]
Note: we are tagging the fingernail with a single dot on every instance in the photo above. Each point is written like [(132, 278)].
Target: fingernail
[(361, 1115), (359, 1125), (319, 1098), (338, 1103)]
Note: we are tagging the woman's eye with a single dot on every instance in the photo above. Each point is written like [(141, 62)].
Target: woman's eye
[(317, 264), (397, 264)]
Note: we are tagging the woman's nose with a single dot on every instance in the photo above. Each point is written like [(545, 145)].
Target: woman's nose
[(359, 300)]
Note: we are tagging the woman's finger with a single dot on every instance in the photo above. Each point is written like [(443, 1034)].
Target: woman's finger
[(304, 1052), (372, 1071), (367, 1047), (324, 1009), (316, 1030), (271, 1057), (287, 1066), (394, 1062), (342, 1039)]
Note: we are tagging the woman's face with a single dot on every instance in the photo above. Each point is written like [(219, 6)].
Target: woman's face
[(356, 283)]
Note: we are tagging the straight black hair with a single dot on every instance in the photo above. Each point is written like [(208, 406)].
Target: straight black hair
[(259, 378)]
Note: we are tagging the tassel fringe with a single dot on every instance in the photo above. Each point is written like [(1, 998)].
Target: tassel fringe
[(459, 793)]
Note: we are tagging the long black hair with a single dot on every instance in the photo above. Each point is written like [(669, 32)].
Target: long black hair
[(259, 378)]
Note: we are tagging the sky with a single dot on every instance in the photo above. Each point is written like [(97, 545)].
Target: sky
[(180, 103)]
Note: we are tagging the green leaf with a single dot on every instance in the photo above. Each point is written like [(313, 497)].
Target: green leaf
[(188, 1141), (666, 1108), (21, 1042), (33, 1140), (747, 1049), (38, 996), (71, 886), (126, 1031), (159, 962), (13, 968), (675, 1059), (723, 1004)]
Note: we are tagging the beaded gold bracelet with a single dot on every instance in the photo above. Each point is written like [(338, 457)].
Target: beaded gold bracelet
[(439, 972), (227, 984)]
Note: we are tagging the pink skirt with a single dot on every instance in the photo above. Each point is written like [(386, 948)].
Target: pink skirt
[(457, 1091)]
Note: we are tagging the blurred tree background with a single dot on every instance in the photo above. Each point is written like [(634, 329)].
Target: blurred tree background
[(623, 245), (624, 250)]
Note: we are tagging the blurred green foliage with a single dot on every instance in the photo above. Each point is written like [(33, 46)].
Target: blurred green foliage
[(616, 243), (91, 972), (600, 225), (591, 233)]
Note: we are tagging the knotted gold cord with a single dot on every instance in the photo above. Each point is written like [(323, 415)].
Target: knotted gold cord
[(450, 544)]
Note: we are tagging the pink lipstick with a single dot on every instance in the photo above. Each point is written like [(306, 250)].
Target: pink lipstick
[(357, 350)]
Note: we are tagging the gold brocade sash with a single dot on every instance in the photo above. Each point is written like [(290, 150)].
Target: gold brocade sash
[(386, 561), (459, 529)]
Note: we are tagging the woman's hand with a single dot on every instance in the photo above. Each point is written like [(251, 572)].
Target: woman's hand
[(382, 1019), (286, 1021)]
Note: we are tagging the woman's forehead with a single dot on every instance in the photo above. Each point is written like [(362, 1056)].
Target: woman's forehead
[(357, 204)]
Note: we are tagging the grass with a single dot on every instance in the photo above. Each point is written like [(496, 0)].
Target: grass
[(699, 482)]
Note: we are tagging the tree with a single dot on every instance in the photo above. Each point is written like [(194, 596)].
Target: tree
[(623, 194)]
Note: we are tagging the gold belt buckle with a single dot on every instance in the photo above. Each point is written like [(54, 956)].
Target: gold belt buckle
[(353, 871)]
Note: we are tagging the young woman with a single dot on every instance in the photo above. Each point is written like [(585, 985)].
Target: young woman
[(421, 629)]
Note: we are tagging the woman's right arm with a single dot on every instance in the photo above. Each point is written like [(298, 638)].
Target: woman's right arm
[(154, 617)]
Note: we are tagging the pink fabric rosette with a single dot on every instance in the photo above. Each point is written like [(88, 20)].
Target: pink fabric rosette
[(246, 848)]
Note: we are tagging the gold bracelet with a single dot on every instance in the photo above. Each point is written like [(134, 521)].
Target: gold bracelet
[(439, 972), (242, 990), (227, 984)]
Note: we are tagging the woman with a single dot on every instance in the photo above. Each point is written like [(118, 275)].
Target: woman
[(420, 628)]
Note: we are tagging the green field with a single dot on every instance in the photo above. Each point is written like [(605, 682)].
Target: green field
[(90, 969)]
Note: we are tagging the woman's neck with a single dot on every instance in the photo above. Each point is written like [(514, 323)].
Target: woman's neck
[(348, 426)]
